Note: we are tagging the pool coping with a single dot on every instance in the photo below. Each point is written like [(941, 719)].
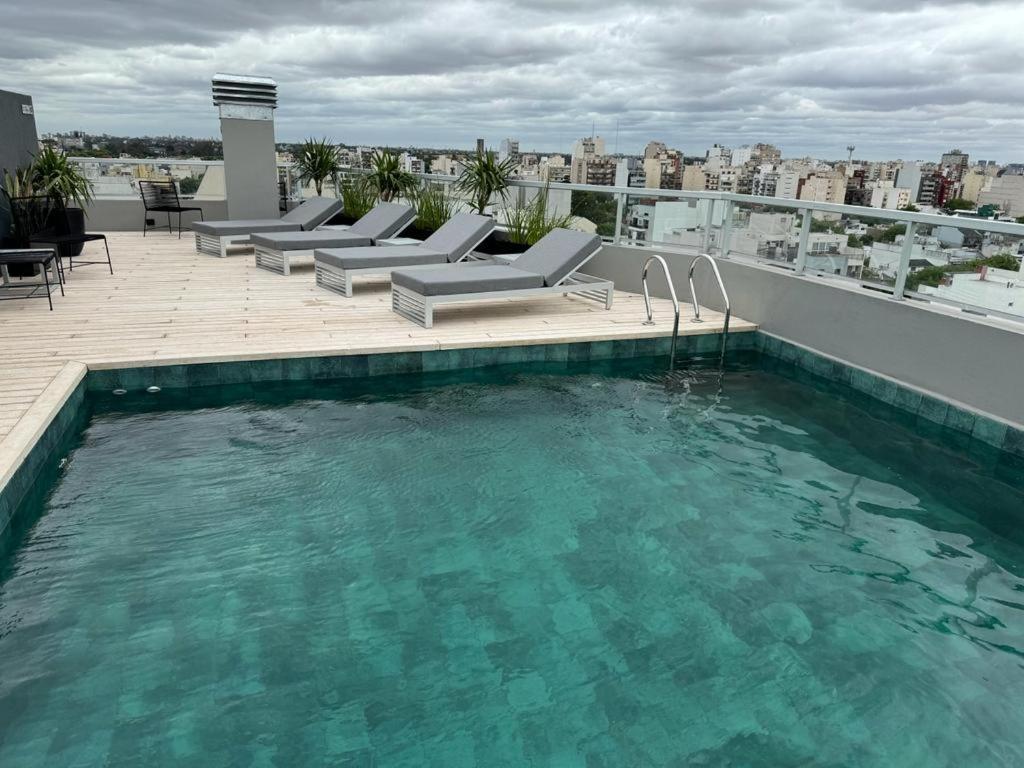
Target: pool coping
[(32, 445)]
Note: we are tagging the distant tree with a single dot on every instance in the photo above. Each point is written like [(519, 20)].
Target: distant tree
[(959, 204), (933, 275), (1003, 261), (890, 233), (854, 242), (823, 225), (189, 185), (1020, 219), (597, 208), (910, 208)]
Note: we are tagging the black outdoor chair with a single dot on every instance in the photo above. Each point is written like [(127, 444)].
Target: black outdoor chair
[(43, 220), (162, 197)]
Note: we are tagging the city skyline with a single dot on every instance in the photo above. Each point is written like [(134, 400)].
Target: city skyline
[(908, 85)]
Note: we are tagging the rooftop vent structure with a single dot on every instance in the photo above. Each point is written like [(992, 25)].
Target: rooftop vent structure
[(246, 104), (245, 97)]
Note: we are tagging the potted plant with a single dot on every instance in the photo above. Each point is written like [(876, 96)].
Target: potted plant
[(387, 177), (357, 198), (485, 177), (316, 161), (435, 204), (52, 173), (526, 223)]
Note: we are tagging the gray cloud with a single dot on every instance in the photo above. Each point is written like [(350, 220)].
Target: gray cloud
[(907, 79)]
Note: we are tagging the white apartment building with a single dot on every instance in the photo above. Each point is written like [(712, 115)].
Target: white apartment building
[(824, 187), (884, 195), (788, 184), (508, 148), (411, 163), (446, 165), (589, 146), (908, 176), (742, 155)]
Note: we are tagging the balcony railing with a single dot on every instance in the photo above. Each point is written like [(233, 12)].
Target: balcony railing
[(805, 237)]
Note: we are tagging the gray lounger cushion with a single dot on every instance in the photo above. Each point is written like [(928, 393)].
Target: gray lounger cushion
[(459, 234), (557, 254), (243, 227), (386, 257), (313, 212), (453, 279), (385, 220), (305, 241)]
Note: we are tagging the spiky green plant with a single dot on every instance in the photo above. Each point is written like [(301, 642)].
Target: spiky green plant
[(528, 222), (19, 184), (434, 206), (357, 196), (388, 178), (54, 174), (484, 177), (317, 161)]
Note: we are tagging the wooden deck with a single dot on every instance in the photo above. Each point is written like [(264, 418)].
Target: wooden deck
[(167, 304)]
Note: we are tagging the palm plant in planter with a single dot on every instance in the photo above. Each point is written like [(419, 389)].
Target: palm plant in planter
[(388, 178), (357, 198), (484, 177), (435, 204), (317, 160), (528, 222), (51, 173)]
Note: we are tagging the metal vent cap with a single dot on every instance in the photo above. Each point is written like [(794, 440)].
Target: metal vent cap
[(244, 90)]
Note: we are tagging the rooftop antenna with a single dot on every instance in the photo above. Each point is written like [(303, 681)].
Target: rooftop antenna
[(849, 150)]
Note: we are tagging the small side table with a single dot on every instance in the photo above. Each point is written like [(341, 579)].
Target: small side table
[(43, 257)]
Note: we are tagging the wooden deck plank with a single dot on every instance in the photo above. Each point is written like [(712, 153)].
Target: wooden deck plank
[(166, 304)]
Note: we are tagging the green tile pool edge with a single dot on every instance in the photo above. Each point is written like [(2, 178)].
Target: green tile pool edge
[(973, 425), (40, 466), (383, 364), (42, 461)]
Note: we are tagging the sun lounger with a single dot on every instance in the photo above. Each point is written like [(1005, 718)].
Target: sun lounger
[(275, 250), (215, 237), (451, 243), (550, 266)]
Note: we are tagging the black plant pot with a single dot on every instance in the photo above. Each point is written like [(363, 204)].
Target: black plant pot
[(418, 233), (75, 223), (496, 244), (341, 218)]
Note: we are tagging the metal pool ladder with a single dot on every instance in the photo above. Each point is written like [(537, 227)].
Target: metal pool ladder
[(675, 301), (725, 297), (693, 298)]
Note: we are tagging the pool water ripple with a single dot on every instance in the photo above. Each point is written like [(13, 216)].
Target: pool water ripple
[(517, 569)]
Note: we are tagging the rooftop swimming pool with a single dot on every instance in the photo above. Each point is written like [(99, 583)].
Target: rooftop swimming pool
[(605, 566)]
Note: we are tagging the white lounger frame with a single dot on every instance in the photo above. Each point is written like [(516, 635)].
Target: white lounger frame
[(279, 261), (340, 280), (217, 245), (420, 309)]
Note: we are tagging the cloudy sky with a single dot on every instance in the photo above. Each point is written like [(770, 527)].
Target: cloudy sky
[(898, 78)]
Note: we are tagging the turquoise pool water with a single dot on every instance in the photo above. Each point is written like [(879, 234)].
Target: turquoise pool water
[(600, 568)]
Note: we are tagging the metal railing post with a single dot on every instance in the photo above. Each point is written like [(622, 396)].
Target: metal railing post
[(805, 233), (723, 245), (904, 265), (708, 218), (620, 207)]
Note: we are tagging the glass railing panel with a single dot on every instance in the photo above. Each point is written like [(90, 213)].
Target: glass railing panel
[(113, 178), (763, 232), (661, 221), (968, 268)]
